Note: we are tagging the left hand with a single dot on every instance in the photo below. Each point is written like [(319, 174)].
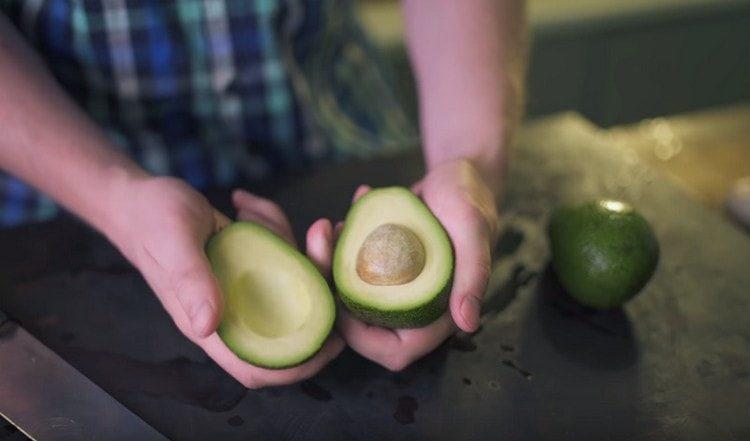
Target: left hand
[(459, 197)]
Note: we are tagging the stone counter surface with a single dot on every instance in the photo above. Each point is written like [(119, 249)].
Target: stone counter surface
[(674, 363)]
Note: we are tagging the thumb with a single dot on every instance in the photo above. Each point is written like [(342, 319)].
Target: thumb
[(198, 293), (473, 266), (196, 288), (193, 283)]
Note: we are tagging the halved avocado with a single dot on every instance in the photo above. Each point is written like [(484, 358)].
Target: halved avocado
[(393, 263), (278, 309)]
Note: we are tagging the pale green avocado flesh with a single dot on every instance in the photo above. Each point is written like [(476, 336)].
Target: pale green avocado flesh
[(405, 278), (278, 309)]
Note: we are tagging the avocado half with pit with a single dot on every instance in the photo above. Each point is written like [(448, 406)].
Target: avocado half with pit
[(278, 309), (393, 263)]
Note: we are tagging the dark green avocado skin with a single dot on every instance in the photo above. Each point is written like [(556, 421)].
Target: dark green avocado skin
[(410, 318), (222, 334), (602, 257)]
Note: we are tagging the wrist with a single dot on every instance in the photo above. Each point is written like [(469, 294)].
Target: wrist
[(119, 192), (491, 166), (487, 158)]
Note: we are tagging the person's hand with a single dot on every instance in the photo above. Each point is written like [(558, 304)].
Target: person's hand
[(166, 225), (460, 199)]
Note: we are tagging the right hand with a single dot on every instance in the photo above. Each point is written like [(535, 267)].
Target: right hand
[(165, 225)]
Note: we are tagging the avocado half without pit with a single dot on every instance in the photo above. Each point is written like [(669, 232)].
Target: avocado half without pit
[(393, 262), (278, 309)]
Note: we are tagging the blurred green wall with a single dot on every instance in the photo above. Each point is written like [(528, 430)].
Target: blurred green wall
[(615, 61)]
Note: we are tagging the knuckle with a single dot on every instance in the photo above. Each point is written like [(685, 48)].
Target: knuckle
[(464, 165), (483, 269), (477, 286), (250, 382), (269, 206), (181, 322), (475, 219), (174, 216), (396, 363), (185, 277), (245, 214), (252, 385)]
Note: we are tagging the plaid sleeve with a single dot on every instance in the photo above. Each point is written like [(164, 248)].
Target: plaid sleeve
[(212, 91), (194, 88), (20, 203), (344, 86)]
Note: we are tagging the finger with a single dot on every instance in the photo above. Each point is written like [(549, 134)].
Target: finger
[(428, 337), (417, 187), (357, 332), (393, 349), (320, 245), (372, 342), (330, 350), (361, 190), (422, 341), (337, 231), (197, 290), (255, 377), (255, 208), (473, 263), (220, 220)]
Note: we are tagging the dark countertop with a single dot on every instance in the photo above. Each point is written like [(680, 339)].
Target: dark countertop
[(673, 364)]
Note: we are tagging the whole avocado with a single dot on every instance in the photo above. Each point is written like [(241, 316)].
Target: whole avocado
[(603, 252)]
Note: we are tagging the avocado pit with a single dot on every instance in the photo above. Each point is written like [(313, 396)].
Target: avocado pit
[(390, 255)]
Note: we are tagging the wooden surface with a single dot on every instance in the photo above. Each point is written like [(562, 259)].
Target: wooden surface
[(673, 364)]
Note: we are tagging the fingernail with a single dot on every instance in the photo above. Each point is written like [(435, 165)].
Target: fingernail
[(201, 319), (470, 312)]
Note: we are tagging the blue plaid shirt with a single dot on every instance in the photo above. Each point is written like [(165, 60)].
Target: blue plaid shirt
[(213, 91)]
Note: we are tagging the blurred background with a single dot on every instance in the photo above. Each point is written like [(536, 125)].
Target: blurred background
[(668, 78)]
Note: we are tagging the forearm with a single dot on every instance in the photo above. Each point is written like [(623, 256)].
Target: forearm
[(50, 143), (469, 59)]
